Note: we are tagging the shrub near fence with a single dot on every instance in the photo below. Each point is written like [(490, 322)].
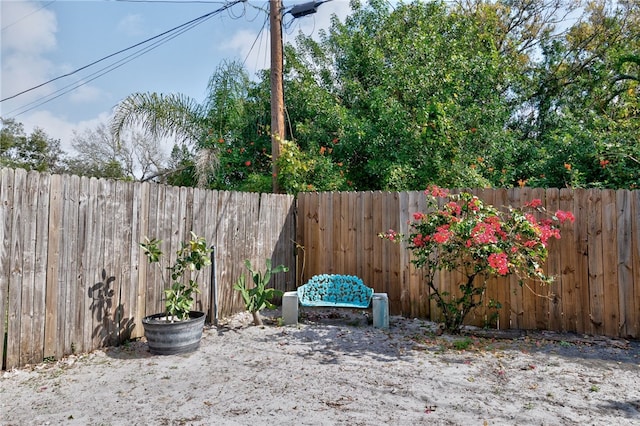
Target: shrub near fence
[(72, 278), (597, 260)]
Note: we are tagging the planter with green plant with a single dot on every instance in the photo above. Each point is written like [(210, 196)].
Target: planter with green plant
[(259, 296), (179, 328)]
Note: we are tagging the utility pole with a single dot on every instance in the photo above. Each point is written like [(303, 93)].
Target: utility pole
[(277, 90)]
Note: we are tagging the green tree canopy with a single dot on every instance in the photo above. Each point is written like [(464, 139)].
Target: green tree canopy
[(35, 151)]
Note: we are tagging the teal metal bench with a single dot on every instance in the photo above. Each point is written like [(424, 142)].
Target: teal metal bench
[(335, 291)]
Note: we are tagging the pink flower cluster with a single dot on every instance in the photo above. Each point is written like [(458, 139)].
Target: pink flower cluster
[(563, 216), (544, 229), (436, 191), (442, 234), (390, 235), (487, 232), (499, 262)]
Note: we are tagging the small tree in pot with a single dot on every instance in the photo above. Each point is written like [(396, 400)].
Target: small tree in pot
[(180, 287)]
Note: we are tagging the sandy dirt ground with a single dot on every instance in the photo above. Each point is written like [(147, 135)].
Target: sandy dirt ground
[(336, 369)]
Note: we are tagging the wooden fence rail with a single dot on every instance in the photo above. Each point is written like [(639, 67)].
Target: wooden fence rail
[(72, 278), (597, 260)]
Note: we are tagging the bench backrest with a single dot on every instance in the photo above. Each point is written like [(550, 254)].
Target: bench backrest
[(335, 290)]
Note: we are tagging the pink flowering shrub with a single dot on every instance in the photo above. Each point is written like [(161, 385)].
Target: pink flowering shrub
[(481, 242)]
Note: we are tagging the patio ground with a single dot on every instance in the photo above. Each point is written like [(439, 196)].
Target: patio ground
[(334, 368)]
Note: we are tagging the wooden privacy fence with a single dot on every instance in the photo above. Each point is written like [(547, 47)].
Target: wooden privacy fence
[(597, 260), (72, 276)]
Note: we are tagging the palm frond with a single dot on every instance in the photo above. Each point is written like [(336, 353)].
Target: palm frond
[(160, 116)]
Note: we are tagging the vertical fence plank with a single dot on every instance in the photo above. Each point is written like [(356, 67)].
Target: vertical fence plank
[(51, 335), (502, 314), (84, 253), (6, 207), (391, 252), (542, 293), (610, 263), (123, 309), (72, 323), (634, 302), (155, 284), (139, 264), (408, 294), (569, 261), (95, 242), (583, 287), (208, 210), (198, 217), (366, 234), (91, 261), (42, 234), (337, 229), (351, 246), (554, 262), (29, 210), (359, 220), (596, 266), (624, 266), (223, 242), (102, 280), (421, 307), (528, 289), (313, 244), (17, 283), (377, 251), (325, 219), (516, 291), (41, 222)]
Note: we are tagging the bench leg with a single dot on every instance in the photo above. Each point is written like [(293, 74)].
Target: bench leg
[(380, 310), (290, 308)]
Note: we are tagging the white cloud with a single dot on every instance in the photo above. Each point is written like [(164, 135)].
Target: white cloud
[(29, 33), (131, 25), (58, 127), (252, 47), (22, 71), (27, 28)]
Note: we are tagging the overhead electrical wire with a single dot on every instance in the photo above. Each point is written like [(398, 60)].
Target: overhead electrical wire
[(260, 33), (180, 29), (99, 73), (27, 15)]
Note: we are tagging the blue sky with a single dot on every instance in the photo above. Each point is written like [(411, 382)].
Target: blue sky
[(42, 40)]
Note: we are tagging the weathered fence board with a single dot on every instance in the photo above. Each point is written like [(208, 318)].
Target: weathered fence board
[(6, 204)]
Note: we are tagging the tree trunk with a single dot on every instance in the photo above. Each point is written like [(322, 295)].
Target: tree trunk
[(257, 319)]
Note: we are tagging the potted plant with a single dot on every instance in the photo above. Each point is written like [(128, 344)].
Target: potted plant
[(259, 296), (178, 329)]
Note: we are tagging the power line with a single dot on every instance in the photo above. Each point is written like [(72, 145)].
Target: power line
[(105, 70), (203, 17), (260, 33), (28, 14)]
